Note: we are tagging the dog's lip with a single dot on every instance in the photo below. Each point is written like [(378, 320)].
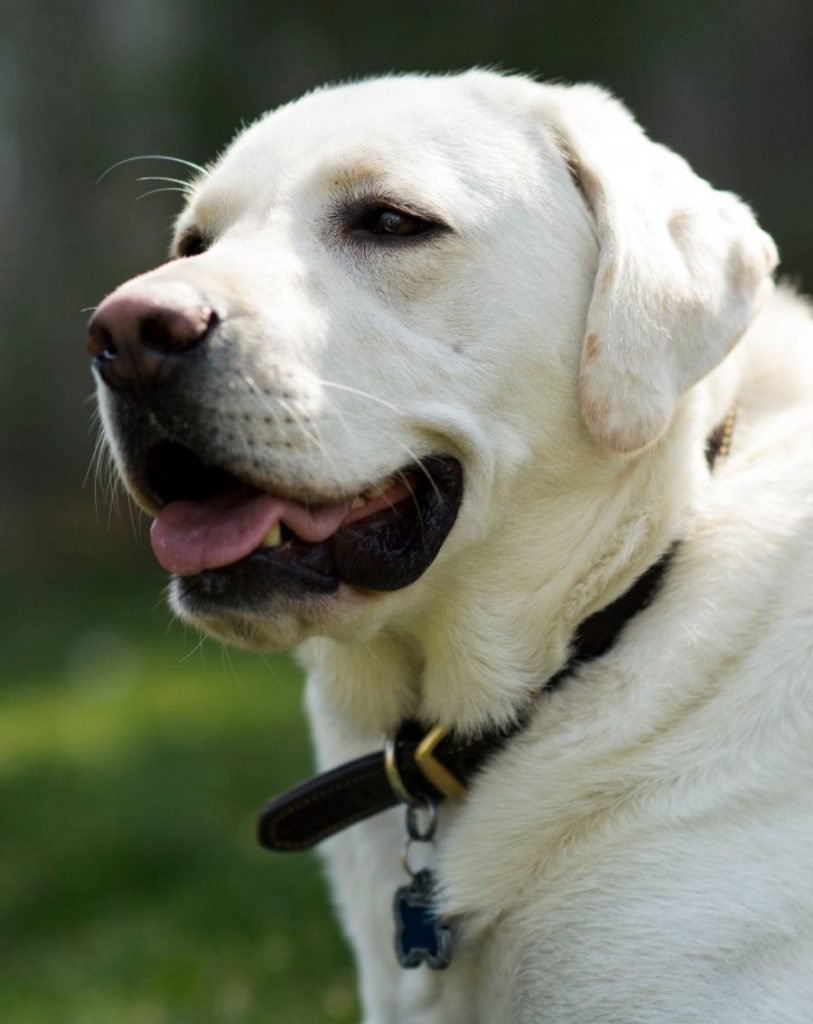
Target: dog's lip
[(379, 544), (191, 536)]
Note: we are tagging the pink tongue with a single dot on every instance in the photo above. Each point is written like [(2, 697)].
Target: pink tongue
[(190, 536)]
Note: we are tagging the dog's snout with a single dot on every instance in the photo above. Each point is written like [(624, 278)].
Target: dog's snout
[(139, 341)]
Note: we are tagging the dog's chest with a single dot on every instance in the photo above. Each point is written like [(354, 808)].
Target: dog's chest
[(655, 924)]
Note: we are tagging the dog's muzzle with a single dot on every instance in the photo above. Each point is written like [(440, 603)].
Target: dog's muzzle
[(235, 543)]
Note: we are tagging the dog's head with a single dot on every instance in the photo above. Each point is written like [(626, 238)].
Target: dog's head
[(391, 306)]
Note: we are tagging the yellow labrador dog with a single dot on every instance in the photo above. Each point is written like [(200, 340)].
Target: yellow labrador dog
[(485, 400)]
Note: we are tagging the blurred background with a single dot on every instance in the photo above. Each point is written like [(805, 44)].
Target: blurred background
[(133, 756)]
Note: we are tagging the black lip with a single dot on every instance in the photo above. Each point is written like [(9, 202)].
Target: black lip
[(385, 552), (394, 548), (253, 582)]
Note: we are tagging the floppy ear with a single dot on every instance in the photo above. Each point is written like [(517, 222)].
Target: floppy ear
[(682, 269)]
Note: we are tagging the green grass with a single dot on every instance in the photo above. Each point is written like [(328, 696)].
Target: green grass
[(132, 768)]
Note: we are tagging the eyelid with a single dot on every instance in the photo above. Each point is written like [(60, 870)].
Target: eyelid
[(368, 203), (189, 235)]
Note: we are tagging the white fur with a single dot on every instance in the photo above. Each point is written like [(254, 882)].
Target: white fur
[(643, 852)]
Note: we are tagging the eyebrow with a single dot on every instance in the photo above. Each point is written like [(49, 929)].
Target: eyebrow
[(366, 182)]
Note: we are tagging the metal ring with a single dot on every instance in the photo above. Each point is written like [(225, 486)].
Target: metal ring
[(413, 825), (405, 859), (393, 775)]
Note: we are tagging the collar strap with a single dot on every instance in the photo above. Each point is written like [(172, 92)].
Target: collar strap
[(415, 766), (420, 763)]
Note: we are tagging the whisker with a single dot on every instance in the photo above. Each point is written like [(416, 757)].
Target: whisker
[(373, 654), (101, 465), (112, 488), (160, 603), (253, 386), (274, 672), (390, 434), (227, 664), (373, 398), (186, 185), (405, 480), (133, 510), (153, 191), (94, 463), (151, 156), (419, 463), (198, 647), (392, 505), (115, 488), (313, 438), (361, 394)]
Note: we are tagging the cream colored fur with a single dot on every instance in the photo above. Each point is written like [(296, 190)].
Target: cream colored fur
[(643, 852)]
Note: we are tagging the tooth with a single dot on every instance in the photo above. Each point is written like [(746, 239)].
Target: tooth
[(273, 538), (357, 502)]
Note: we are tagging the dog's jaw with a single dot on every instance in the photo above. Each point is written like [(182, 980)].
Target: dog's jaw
[(467, 660)]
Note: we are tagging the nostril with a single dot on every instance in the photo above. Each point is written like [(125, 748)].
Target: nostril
[(176, 330), (100, 343), (139, 340)]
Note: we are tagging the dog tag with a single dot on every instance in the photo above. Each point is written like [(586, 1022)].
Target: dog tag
[(421, 937)]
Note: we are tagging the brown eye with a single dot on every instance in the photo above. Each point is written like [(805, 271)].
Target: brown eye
[(192, 243), (393, 222), (385, 222)]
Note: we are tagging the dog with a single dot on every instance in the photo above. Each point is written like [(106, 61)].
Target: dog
[(441, 368)]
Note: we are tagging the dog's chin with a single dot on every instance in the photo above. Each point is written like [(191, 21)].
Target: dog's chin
[(278, 621), (280, 593)]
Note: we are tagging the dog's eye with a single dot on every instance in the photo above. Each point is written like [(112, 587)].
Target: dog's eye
[(386, 222), (192, 243), (393, 222)]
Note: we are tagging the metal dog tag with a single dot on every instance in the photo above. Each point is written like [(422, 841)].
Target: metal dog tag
[(421, 937)]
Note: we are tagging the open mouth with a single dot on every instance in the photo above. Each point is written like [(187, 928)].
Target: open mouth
[(230, 541)]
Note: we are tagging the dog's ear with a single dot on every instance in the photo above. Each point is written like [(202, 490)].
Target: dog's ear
[(682, 268)]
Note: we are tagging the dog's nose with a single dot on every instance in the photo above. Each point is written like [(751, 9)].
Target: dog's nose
[(140, 341)]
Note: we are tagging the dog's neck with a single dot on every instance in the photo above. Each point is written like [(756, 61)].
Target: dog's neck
[(503, 620)]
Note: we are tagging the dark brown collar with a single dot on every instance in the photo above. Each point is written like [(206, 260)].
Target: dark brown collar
[(429, 763), (426, 763)]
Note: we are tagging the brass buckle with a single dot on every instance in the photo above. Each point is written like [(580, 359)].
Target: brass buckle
[(437, 773)]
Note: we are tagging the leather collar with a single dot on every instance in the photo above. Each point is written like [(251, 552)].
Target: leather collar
[(426, 763), (423, 763)]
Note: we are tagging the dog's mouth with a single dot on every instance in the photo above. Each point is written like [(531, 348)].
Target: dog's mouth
[(231, 542)]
